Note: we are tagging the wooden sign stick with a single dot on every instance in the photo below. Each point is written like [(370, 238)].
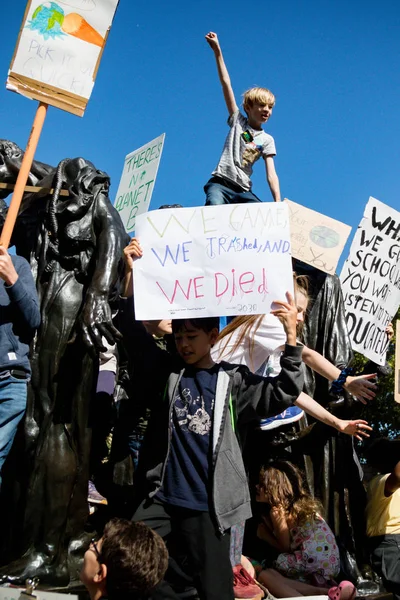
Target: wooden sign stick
[(23, 174), (397, 364), (33, 188)]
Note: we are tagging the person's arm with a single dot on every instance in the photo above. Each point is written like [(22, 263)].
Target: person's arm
[(272, 178), (21, 290), (265, 534), (223, 74), (131, 253), (280, 528), (137, 341), (268, 396), (393, 481), (357, 428), (359, 386)]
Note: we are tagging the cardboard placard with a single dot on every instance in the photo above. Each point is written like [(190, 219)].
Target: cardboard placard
[(59, 49), (212, 261), (137, 182), (370, 280), (316, 239), (397, 365)]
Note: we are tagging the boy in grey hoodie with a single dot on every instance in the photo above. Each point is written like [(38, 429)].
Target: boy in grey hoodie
[(194, 482)]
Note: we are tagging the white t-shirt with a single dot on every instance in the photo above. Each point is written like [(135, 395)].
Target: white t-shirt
[(269, 339)]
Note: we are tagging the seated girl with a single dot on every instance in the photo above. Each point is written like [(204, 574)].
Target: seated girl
[(308, 559)]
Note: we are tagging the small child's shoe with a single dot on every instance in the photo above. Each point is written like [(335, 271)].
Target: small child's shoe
[(344, 591)]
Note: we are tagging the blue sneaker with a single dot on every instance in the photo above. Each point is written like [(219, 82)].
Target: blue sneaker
[(290, 415)]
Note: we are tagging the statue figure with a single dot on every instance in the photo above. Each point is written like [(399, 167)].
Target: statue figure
[(332, 467), (74, 245)]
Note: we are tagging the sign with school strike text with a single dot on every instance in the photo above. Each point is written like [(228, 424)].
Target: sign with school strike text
[(370, 280), (137, 182), (212, 261)]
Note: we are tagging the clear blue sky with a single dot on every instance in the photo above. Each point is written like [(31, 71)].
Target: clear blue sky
[(333, 66)]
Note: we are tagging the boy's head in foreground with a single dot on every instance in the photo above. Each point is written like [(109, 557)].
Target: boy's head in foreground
[(128, 561), (194, 339), (258, 104)]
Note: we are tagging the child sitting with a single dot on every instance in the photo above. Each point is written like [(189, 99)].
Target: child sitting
[(246, 142), (127, 562), (383, 512), (309, 557)]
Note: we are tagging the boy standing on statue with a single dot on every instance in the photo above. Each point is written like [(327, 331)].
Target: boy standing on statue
[(246, 142)]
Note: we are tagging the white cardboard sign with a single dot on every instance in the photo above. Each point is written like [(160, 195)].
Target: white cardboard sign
[(59, 49), (212, 261), (316, 239), (370, 280), (137, 182)]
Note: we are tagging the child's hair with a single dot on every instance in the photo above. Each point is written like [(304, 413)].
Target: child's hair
[(283, 486), (248, 324), (257, 94), (206, 324), (136, 559), (383, 454), (301, 285)]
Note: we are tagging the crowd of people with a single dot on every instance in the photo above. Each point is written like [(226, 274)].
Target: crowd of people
[(196, 394)]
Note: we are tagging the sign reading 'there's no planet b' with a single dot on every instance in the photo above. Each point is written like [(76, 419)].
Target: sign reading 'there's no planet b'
[(137, 182), (212, 261)]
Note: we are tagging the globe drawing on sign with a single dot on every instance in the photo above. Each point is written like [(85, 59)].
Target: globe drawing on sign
[(325, 237), (50, 21)]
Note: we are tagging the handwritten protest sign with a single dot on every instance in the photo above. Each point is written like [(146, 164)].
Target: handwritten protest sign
[(316, 239), (137, 182), (397, 365), (7, 593), (212, 260), (59, 50), (370, 280)]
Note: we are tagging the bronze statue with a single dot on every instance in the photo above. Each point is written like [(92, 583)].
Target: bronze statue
[(74, 245)]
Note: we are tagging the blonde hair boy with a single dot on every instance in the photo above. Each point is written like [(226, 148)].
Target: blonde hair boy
[(245, 144)]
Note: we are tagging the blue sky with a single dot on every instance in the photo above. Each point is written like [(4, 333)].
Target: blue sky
[(333, 66)]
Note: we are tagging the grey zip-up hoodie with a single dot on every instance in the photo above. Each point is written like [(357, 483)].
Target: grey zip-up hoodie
[(241, 398)]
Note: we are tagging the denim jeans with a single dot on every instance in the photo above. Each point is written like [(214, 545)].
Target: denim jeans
[(13, 394), (135, 442), (219, 191)]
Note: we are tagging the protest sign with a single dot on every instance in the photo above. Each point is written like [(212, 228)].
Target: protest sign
[(212, 260), (397, 365), (137, 182), (370, 280), (8, 593), (316, 239), (59, 49)]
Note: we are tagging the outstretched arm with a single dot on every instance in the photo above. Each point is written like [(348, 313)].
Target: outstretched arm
[(393, 481), (359, 386), (223, 74), (357, 428)]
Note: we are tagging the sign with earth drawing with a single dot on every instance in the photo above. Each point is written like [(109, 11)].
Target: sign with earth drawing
[(59, 50), (316, 239)]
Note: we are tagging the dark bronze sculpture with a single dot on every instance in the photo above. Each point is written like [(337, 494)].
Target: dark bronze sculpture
[(333, 471), (74, 245)]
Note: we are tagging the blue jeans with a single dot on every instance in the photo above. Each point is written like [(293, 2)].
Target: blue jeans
[(135, 442), (13, 394), (220, 191)]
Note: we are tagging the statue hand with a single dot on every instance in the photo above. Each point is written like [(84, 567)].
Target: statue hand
[(96, 322)]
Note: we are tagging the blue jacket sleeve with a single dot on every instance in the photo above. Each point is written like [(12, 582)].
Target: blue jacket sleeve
[(23, 296)]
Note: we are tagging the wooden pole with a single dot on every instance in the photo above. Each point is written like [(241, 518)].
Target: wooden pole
[(397, 364), (23, 174)]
